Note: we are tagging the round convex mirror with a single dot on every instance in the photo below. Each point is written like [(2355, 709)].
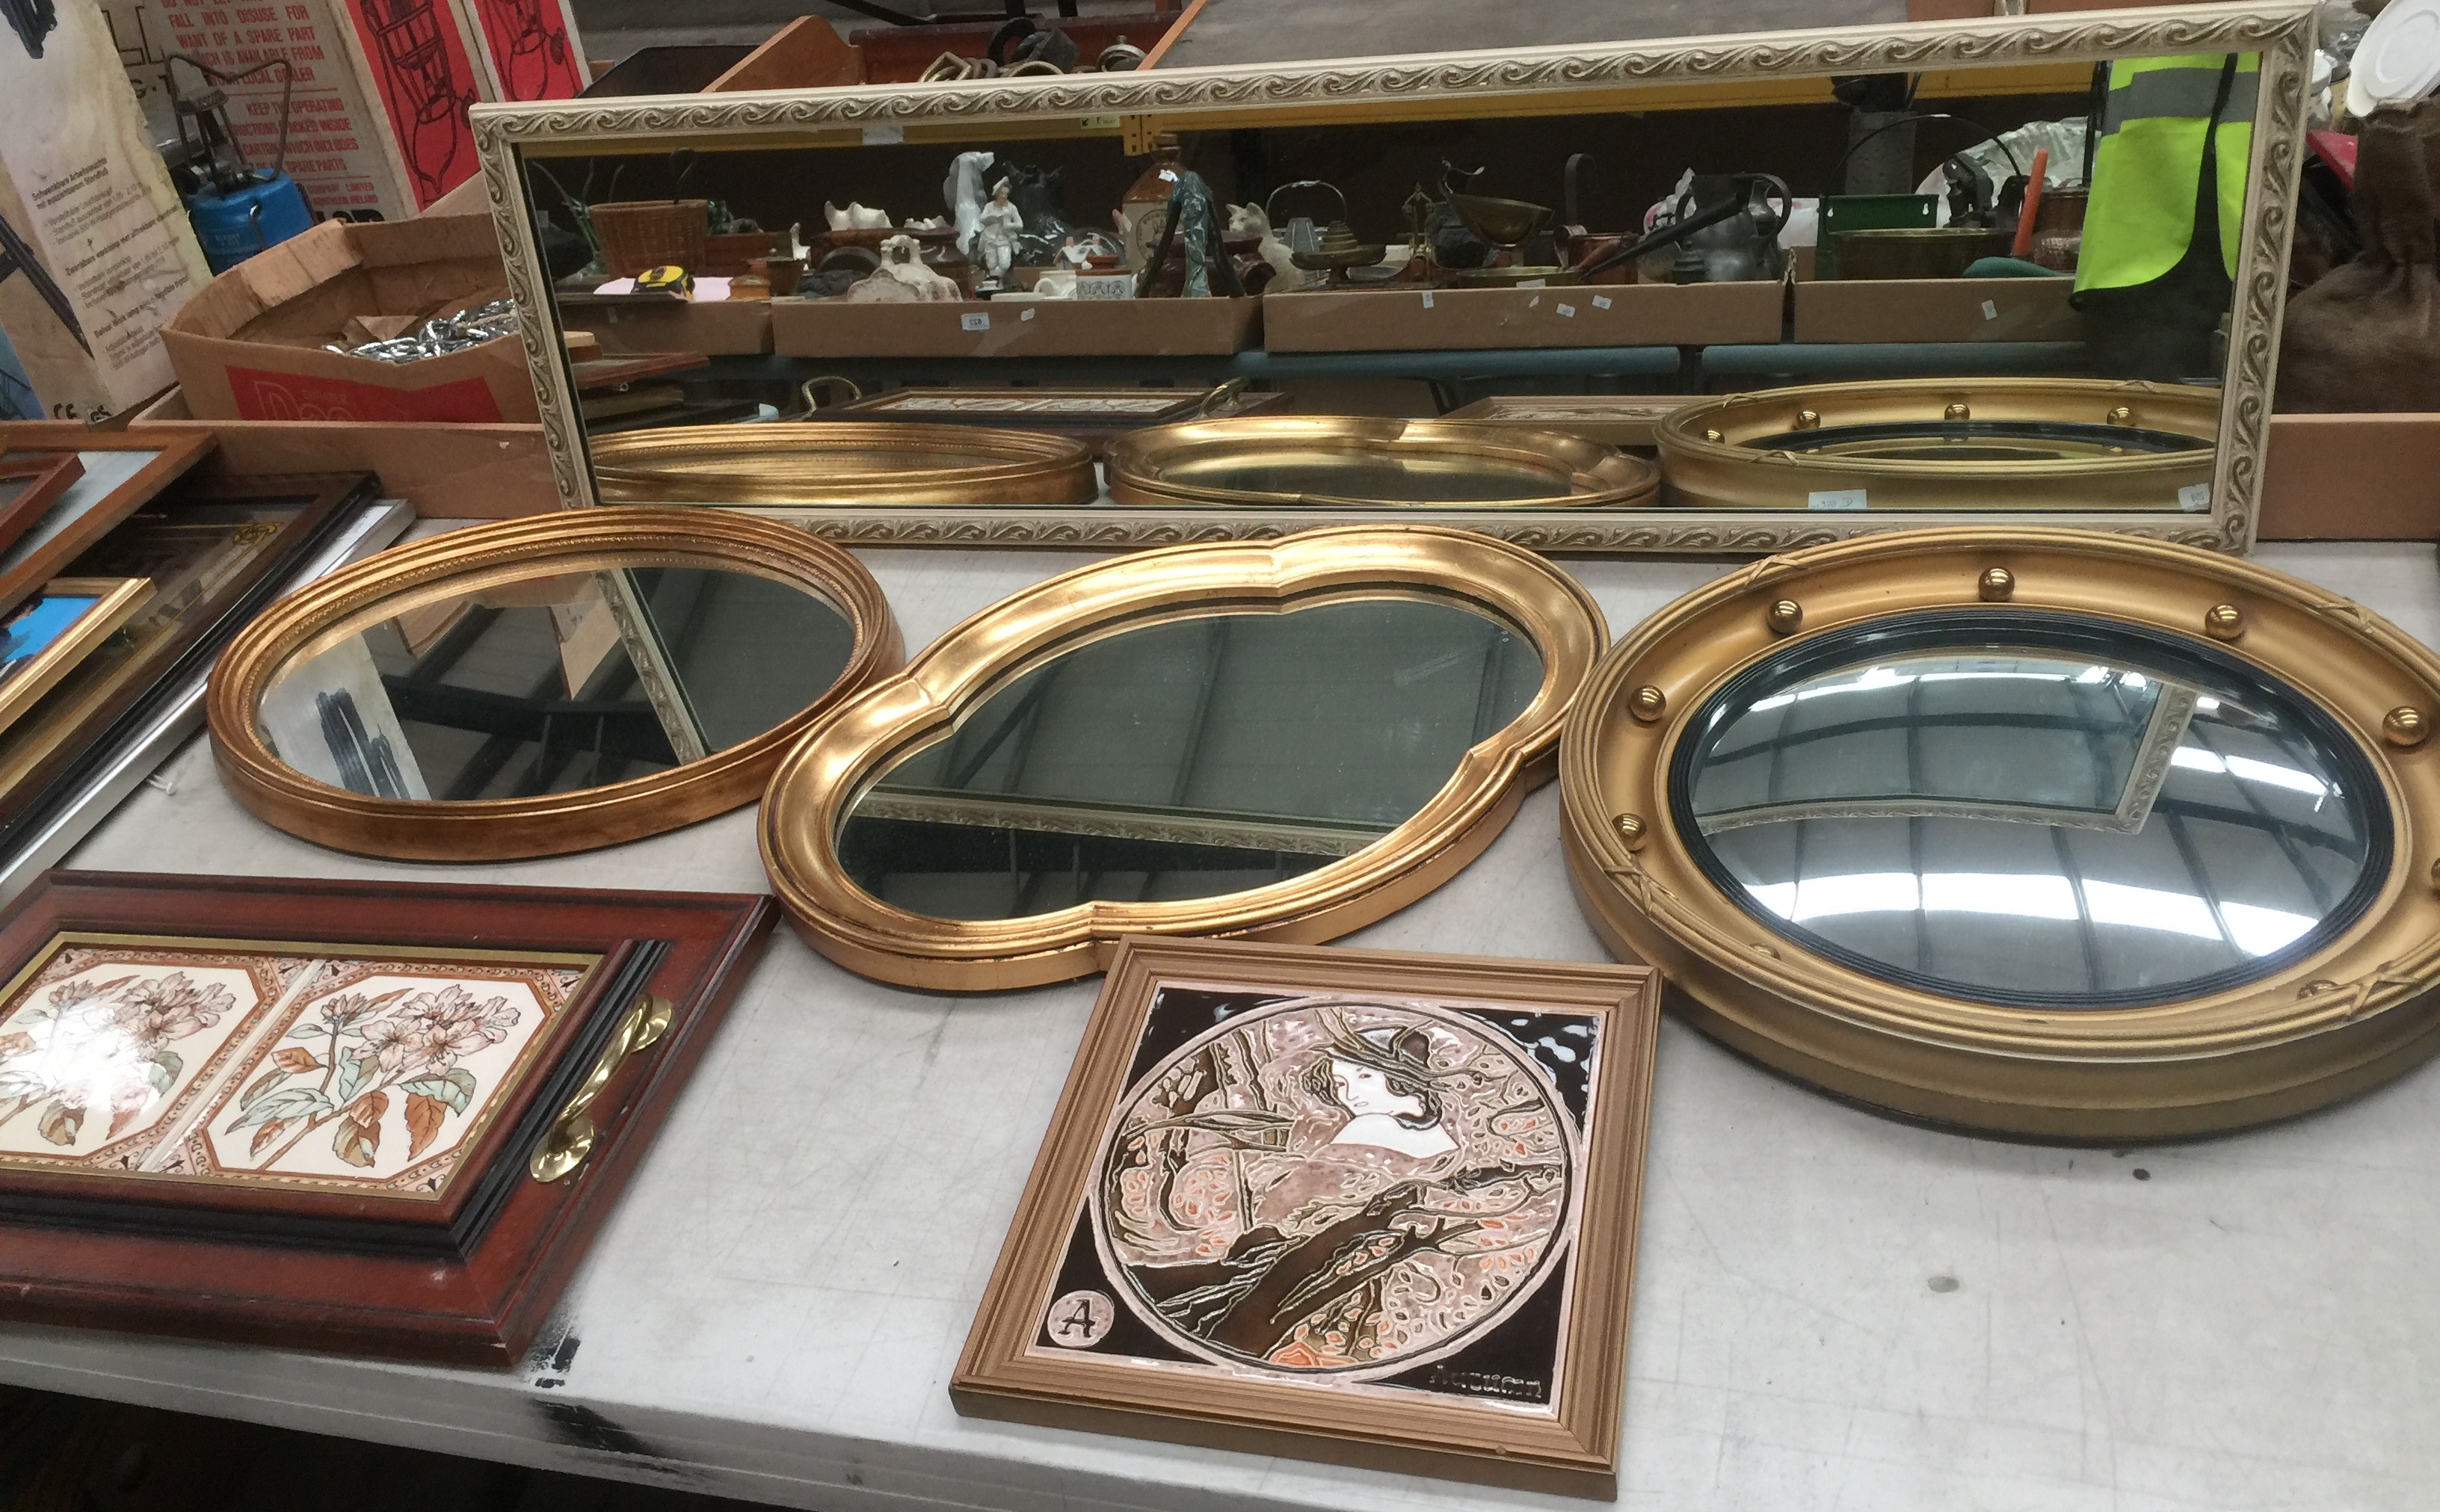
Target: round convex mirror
[(2031, 808), (1229, 738), (2048, 832), (1185, 758), (542, 686)]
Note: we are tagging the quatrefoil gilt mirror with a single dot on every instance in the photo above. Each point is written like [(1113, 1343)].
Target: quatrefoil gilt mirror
[(1278, 740), (2041, 832)]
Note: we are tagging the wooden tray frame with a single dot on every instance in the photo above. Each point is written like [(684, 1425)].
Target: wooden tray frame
[(312, 1271)]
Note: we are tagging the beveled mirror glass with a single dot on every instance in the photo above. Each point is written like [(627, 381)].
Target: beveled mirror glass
[(1393, 239), (1245, 740), (1189, 758), (2047, 833), (543, 685)]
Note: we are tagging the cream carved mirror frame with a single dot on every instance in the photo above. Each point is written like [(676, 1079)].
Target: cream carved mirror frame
[(1545, 81)]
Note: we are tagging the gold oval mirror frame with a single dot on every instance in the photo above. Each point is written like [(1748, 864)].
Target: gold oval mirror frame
[(1346, 461), (2315, 1015), (501, 560), (836, 765), (2065, 445), (820, 462)]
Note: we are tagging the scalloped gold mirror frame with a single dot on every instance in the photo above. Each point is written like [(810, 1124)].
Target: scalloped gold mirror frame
[(841, 757), (2344, 1018), (486, 556), (1668, 73)]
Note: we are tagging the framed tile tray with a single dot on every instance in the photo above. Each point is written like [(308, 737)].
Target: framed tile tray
[(309, 1113)]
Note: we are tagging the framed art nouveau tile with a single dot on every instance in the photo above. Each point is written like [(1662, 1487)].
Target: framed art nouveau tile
[(368, 1134), (1341, 1204)]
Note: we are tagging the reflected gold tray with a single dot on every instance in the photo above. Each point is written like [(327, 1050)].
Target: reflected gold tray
[(2065, 444), (1349, 461), (842, 462)]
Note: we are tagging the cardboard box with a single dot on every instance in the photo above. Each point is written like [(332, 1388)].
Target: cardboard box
[(626, 324), (447, 471), (1904, 310), (1031, 328), (250, 346), (2351, 477), (1633, 315)]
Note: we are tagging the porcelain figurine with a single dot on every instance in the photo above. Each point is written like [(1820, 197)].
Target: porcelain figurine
[(902, 279), (961, 194), (854, 218), (996, 233), (1285, 275)]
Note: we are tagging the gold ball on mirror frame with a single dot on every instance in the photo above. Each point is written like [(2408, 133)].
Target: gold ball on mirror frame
[(1997, 585), (1808, 420), (2223, 622), (2406, 727), (2120, 415), (1712, 433), (1958, 411), (1784, 617), (2435, 876), (1648, 704), (1630, 830)]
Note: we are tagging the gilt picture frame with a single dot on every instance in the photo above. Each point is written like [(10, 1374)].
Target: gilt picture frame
[(1655, 74), (1238, 1117)]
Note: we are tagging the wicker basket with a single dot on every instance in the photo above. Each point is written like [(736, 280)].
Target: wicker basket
[(637, 235)]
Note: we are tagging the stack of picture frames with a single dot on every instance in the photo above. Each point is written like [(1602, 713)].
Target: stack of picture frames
[(309, 1114), (126, 564), (1341, 1204)]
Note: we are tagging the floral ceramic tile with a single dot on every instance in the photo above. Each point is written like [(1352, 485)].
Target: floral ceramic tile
[(291, 1066), (381, 1075), (103, 1047)]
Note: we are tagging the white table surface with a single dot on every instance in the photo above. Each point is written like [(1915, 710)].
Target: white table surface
[(774, 1308)]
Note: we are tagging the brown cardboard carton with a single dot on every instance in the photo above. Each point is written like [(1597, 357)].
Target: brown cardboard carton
[(625, 325), (1028, 328), (249, 346), (2351, 477), (1968, 310), (1633, 315), (447, 471)]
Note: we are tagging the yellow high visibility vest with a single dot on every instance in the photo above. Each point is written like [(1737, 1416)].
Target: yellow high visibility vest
[(2148, 166)]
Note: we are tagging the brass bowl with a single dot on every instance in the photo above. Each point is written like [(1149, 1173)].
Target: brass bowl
[(1349, 462), (1946, 444), (822, 462), (1501, 223), (1916, 252)]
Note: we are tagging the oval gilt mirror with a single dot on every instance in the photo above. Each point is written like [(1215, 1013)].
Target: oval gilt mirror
[(2046, 834), (1284, 740), (543, 685)]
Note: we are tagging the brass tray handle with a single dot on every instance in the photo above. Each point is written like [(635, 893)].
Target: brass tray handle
[(1223, 396), (812, 390), (571, 1133)]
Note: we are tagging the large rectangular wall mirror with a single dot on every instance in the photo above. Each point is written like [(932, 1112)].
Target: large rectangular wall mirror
[(1446, 218)]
